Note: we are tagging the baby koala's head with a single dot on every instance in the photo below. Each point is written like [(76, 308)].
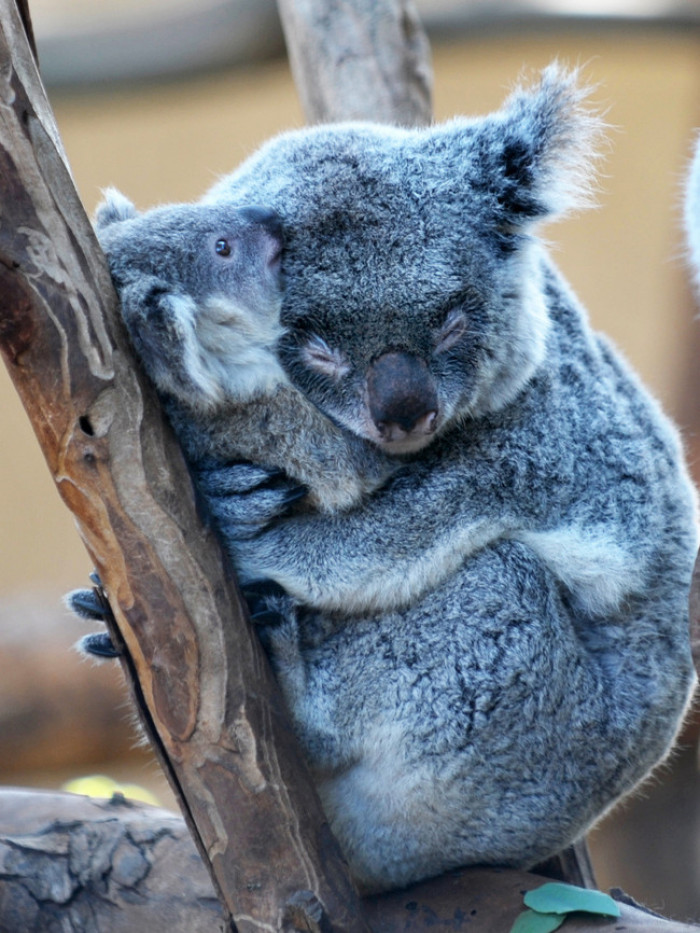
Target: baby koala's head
[(200, 294)]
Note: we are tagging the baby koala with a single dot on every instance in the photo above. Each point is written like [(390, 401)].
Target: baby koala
[(200, 291)]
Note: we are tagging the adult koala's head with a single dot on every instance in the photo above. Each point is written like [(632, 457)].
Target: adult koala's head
[(200, 295), (412, 292)]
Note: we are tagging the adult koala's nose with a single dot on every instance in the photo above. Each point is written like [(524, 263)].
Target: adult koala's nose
[(402, 397)]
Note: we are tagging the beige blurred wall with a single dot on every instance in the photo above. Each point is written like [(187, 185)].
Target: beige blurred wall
[(170, 142)]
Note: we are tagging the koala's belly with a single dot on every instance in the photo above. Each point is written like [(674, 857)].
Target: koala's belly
[(480, 728)]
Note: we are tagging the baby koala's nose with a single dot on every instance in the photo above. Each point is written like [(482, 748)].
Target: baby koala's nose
[(266, 218), (270, 233)]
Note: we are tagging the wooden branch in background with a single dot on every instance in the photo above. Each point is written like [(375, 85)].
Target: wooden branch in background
[(359, 60), (208, 700)]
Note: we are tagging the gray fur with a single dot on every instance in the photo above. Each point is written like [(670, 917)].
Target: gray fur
[(206, 326), (494, 647)]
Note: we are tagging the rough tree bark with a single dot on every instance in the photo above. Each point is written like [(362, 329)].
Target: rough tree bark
[(90, 866)]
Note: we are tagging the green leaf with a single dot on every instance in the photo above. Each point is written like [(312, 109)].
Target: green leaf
[(557, 898), (531, 921)]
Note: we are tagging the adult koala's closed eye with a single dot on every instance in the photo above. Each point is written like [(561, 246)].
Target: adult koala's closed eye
[(200, 295), (497, 644)]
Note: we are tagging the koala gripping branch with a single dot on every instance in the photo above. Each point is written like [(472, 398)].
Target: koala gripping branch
[(208, 700)]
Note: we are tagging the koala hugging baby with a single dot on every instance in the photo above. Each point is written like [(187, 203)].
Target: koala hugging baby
[(474, 523)]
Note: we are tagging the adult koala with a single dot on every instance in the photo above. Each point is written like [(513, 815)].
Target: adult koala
[(494, 647)]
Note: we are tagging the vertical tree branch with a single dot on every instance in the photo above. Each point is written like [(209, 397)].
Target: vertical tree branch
[(359, 60)]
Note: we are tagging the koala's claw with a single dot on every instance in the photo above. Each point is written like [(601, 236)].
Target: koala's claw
[(236, 478), (257, 592), (93, 605), (87, 603), (295, 494), (99, 645), (266, 618)]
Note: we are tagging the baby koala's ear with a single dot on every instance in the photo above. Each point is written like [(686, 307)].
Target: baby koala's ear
[(114, 208)]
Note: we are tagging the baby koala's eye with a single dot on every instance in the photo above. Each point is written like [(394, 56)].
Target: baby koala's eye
[(222, 247), (452, 331)]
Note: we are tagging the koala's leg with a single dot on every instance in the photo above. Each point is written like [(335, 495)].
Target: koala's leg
[(481, 725), (288, 633)]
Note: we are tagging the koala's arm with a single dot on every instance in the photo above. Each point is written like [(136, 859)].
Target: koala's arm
[(286, 431), (409, 535)]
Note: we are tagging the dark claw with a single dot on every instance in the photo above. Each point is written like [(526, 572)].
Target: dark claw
[(222, 481), (87, 604), (257, 592), (98, 644), (267, 617), (295, 494), (263, 586)]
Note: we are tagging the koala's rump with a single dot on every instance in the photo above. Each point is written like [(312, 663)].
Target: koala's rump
[(488, 733)]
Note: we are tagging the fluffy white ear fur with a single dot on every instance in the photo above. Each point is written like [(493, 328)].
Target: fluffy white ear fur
[(564, 133), (227, 353), (539, 152), (114, 208)]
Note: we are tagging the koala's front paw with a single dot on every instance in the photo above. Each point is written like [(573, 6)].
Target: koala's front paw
[(92, 605), (98, 645), (244, 499)]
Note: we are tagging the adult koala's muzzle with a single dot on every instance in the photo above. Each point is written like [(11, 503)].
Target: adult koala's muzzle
[(402, 398)]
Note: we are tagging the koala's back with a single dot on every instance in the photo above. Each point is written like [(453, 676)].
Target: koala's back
[(505, 722)]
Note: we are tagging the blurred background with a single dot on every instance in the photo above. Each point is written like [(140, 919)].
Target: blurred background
[(160, 97)]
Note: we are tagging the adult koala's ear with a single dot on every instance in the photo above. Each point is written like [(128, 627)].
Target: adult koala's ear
[(533, 159), (114, 208)]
